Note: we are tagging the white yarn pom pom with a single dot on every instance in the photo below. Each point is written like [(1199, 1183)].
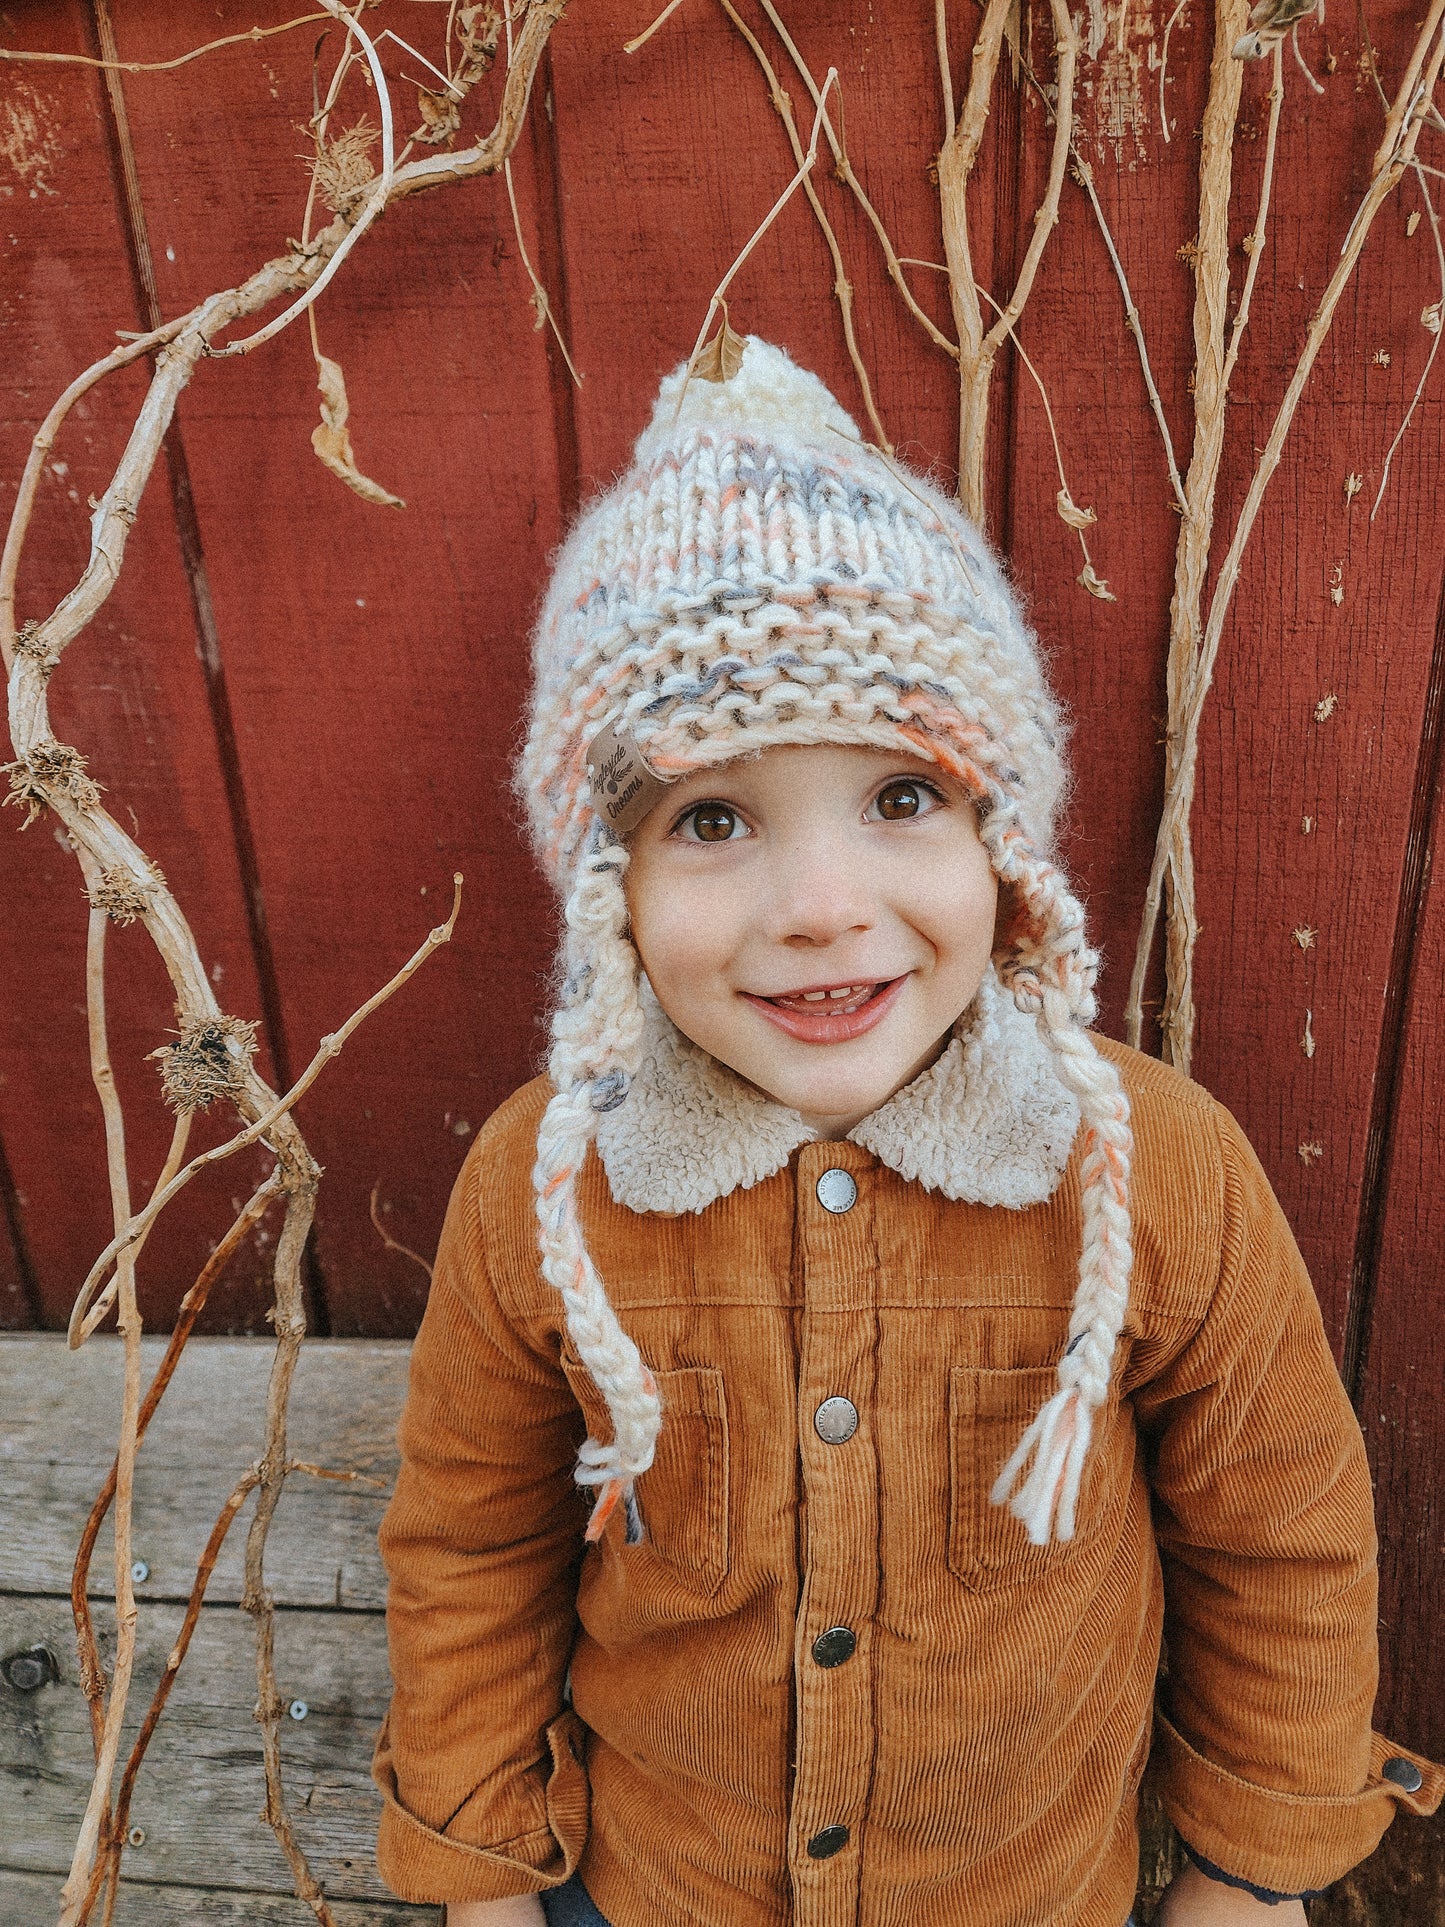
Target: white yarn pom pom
[(769, 392)]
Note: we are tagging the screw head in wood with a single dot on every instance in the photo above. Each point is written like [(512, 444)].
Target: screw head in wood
[(136, 1837), (28, 1671), (139, 1573), (298, 1709)]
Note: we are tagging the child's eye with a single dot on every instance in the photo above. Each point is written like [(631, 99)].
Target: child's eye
[(905, 797), (709, 823)]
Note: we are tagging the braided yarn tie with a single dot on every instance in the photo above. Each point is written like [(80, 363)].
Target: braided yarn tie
[(597, 1045)]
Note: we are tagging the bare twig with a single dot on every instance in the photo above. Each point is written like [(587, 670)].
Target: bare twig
[(808, 162), (641, 39), (1434, 316), (1073, 517), (1253, 243), (977, 347), (844, 168), (842, 286), (394, 1244), (540, 298), (98, 1801), (1084, 174), (329, 1047), (375, 202), (252, 34)]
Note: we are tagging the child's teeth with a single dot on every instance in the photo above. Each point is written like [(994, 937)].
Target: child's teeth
[(814, 996), (850, 991)]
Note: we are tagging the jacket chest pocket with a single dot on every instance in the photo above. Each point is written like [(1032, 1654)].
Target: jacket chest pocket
[(683, 1495), (988, 1412)]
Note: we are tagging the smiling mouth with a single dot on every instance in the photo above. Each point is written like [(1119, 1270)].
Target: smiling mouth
[(830, 1013)]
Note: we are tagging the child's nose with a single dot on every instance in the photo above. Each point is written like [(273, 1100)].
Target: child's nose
[(818, 896)]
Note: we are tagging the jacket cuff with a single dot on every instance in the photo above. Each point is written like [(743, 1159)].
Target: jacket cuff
[(419, 1863), (1285, 1843), (1266, 1894)]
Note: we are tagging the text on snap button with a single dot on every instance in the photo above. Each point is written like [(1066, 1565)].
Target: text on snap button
[(836, 1191), (835, 1420), (834, 1646)]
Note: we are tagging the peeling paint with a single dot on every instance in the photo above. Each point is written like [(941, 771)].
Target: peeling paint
[(29, 140), (1117, 94)]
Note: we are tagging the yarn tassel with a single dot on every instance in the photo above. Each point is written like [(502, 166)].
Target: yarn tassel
[(608, 1499), (613, 1493), (1058, 1442)]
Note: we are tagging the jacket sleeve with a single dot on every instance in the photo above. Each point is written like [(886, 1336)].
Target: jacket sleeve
[(1264, 1754), (479, 1760)]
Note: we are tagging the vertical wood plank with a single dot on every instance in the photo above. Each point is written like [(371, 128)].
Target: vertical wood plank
[(1402, 1393), (376, 658), (130, 696), (1268, 765)]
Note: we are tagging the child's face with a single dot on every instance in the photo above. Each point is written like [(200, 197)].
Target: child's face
[(817, 918)]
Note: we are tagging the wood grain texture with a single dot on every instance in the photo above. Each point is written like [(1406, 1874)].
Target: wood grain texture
[(376, 657), (61, 1409), (30, 1900), (131, 697), (1401, 1404), (199, 1794)]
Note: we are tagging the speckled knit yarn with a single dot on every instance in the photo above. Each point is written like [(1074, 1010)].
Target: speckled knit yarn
[(762, 576)]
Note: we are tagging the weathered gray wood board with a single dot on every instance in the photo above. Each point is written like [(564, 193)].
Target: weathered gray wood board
[(59, 1415), (207, 1859), (207, 1856), (30, 1900), (200, 1790)]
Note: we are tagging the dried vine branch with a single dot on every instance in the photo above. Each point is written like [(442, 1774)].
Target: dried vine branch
[(977, 347), (842, 286), (1194, 645), (213, 1057)]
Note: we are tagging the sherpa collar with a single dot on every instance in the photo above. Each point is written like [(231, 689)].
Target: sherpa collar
[(990, 1122)]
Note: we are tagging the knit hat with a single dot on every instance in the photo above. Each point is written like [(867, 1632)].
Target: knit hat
[(760, 576)]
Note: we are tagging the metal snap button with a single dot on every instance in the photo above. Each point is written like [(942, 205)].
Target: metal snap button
[(835, 1420), (836, 1191), (824, 1845), (834, 1646), (1403, 1774)]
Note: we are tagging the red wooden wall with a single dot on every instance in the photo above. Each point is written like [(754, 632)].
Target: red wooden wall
[(308, 705)]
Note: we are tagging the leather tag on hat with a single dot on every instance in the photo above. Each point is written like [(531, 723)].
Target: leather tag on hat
[(624, 788)]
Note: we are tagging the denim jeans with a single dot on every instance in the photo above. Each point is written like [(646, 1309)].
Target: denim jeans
[(570, 1905)]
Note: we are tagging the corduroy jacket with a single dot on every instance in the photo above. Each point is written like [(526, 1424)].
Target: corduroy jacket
[(833, 1685)]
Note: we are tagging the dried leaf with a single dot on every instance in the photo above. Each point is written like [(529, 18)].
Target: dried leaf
[(1326, 707), (333, 444), (1070, 511), (1430, 319), (1413, 222), (722, 357), (1095, 585), (1353, 484), (441, 117), (479, 29)]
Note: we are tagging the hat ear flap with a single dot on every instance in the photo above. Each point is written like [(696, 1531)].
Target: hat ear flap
[(1051, 971), (597, 1034)]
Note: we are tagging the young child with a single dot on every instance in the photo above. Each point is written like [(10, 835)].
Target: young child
[(929, 1357)]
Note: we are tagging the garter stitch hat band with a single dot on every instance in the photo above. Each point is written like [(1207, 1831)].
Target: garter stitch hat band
[(761, 576)]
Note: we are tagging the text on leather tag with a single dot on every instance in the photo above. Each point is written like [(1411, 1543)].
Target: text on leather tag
[(624, 789)]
